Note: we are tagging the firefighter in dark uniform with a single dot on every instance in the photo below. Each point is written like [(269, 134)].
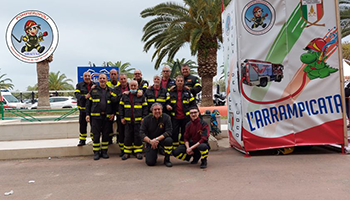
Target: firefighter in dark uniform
[(196, 140), (112, 84), (156, 94), (131, 110), (167, 82), (181, 100), (156, 133), (100, 112), (191, 82), (142, 84), (82, 93), (121, 89)]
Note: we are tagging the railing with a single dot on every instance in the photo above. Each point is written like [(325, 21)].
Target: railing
[(37, 115)]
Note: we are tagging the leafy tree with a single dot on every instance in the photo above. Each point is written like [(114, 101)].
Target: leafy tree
[(344, 17), (346, 50), (124, 68), (57, 81), (175, 66), (197, 23), (5, 83)]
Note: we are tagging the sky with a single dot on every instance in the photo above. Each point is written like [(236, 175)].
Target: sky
[(96, 31)]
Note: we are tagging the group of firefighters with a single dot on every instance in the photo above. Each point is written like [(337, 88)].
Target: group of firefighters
[(163, 116)]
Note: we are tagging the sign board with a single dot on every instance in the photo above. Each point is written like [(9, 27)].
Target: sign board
[(283, 82), (95, 71)]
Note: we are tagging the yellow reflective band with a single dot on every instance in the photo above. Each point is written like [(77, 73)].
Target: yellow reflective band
[(96, 149), (77, 91), (144, 104), (138, 147), (121, 144), (104, 147), (187, 113), (168, 147), (183, 157), (167, 98), (113, 94), (90, 98), (121, 103), (173, 114), (138, 118), (104, 143), (161, 100), (191, 99), (96, 144), (82, 138), (182, 142), (175, 144), (168, 151), (95, 100), (117, 113), (150, 100), (204, 152), (128, 147), (108, 115), (184, 101), (81, 108), (138, 106), (179, 155), (204, 156), (127, 118), (108, 101), (95, 114), (173, 101), (127, 151), (127, 106), (138, 150), (111, 134), (145, 86), (197, 84)]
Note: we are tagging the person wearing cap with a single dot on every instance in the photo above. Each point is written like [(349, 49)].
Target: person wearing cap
[(31, 38), (196, 140)]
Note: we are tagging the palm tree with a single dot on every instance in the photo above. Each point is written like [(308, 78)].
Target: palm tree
[(175, 66), (4, 82), (42, 70), (344, 17), (124, 68), (59, 81), (197, 23)]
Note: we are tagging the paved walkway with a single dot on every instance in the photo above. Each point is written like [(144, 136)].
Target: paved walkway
[(316, 174)]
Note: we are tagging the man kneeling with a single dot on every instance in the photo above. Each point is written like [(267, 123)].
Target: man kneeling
[(156, 132), (196, 140)]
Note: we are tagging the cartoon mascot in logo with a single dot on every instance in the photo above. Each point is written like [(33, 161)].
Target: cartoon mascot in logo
[(258, 18), (32, 38), (314, 58)]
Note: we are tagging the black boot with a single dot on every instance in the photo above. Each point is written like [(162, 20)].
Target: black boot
[(125, 156), (96, 155), (121, 153), (167, 161), (104, 154), (81, 143), (196, 157), (204, 163)]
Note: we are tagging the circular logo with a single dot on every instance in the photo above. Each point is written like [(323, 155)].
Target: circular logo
[(32, 36), (258, 17), (228, 24)]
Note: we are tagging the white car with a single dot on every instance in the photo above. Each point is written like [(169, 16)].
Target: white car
[(60, 102), (11, 102)]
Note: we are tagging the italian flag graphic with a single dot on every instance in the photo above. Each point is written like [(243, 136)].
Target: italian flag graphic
[(312, 10)]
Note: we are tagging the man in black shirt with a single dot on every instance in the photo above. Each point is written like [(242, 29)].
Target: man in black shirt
[(156, 132)]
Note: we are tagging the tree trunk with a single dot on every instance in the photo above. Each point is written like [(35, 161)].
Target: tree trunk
[(42, 69), (207, 67)]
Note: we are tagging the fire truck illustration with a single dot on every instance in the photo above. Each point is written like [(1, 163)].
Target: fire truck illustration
[(259, 73)]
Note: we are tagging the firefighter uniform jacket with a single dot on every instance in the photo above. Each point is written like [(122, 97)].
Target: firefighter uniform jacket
[(93, 104), (80, 92), (169, 84), (152, 127), (111, 85), (115, 100), (163, 97), (193, 83), (143, 85), (197, 131), (136, 109), (187, 101)]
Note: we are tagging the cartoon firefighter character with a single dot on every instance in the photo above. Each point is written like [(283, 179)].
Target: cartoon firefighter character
[(32, 38), (258, 18), (314, 58)]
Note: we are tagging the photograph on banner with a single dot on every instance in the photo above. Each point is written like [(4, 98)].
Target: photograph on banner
[(94, 71)]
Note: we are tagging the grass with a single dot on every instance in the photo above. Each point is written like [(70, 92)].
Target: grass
[(40, 113)]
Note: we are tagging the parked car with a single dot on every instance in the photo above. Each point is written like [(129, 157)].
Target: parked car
[(59, 102), (10, 101)]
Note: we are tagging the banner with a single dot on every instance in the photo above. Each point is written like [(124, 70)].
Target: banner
[(289, 80), (95, 71)]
